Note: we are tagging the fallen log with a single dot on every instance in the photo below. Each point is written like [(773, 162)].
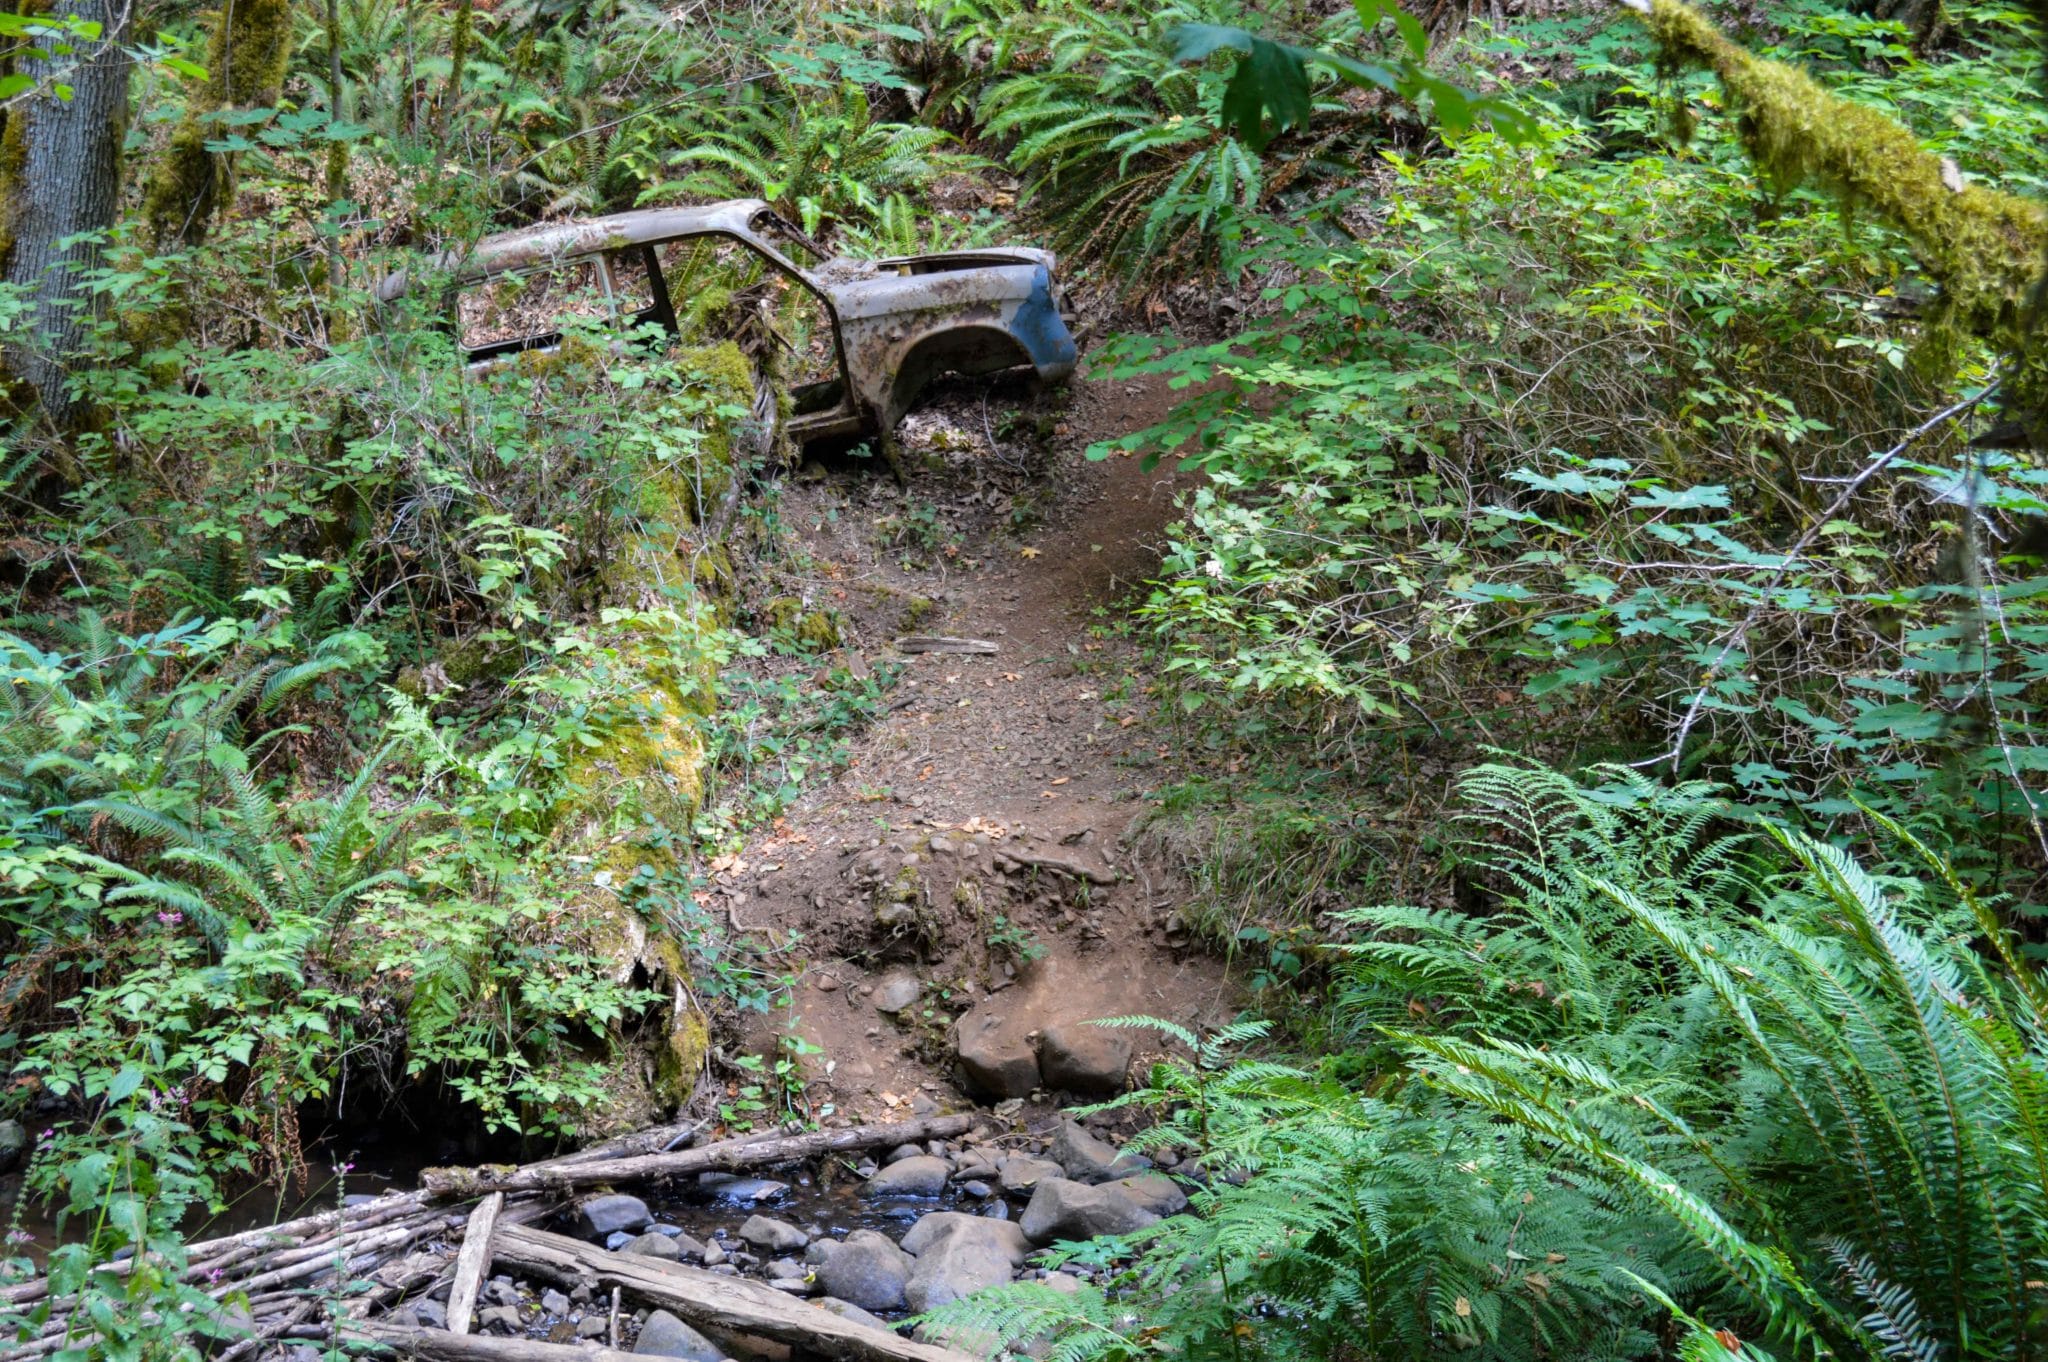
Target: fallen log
[(439, 1345), (727, 1156), (942, 643), (706, 1298)]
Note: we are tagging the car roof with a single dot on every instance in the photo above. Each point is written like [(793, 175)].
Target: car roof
[(531, 246)]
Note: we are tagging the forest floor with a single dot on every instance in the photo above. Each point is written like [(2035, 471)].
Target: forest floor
[(973, 855)]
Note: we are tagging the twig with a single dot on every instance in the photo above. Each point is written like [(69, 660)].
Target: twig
[(1792, 556)]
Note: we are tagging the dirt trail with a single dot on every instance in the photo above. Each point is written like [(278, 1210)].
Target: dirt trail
[(973, 852)]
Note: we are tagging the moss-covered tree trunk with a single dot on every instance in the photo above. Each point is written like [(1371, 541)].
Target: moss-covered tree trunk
[(60, 176), (1984, 248), (245, 64)]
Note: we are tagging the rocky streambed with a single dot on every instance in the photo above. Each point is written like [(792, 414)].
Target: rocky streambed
[(890, 1236)]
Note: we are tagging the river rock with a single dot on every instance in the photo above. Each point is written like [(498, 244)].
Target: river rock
[(654, 1246), (868, 1271), (13, 1145), (593, 1326), (1065, 1209), (429, 1314), (1087, 1159), (820, 1251), (1021, 1172), (851, 1313), (922, 1175), (1081, 1058), (996, 1057), (738, 1191), (598, 1216), (896, 990), (666, 1336), (958, 1255), (554, 1302), (503, 1319), (902, 1152), (773, 1236)]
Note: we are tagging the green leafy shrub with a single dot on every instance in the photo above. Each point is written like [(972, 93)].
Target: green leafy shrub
[(1591, 431)]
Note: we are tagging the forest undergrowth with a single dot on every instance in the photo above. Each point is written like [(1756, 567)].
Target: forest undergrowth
[(1576, 393)]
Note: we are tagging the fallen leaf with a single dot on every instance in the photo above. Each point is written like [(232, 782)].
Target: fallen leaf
[(1027, 553), (1728, 1340), (1062, 780), (1462, 1306)]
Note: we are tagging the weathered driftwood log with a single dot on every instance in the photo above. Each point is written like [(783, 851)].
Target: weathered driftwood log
[(726, 1156), (438, 1345), (705, 1298), (235, 1257), (473, 1261)]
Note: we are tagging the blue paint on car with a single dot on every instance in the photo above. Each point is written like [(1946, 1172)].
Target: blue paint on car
[(1041, 331)]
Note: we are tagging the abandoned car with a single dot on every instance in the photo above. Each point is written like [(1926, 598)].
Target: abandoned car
[(851, 342)]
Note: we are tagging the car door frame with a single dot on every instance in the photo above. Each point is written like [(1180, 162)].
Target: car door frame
[(844, 417)]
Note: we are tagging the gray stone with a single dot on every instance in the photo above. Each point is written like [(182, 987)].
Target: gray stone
[(868, 1271), (977, 1189), (1064, 1209), (794, 1286), (773, 1236), (745, 1191), (618, 1239), (958, 1255), (962, 1338), (902, 1152), (1156, 1192), (690, 1247), (1080, 1058), (781, 1268), (995, 1060), (1021, 1172), (851, 1313), (1087, 1159), (554, 1302), (500, 1291), (666, 1336), (921, 1175), (714, 1255), (820, 1251), (593, 1326), (598, 1216), (430, 1314), (13, 1145), (897, 990), (503, 1319), (654, 1246)]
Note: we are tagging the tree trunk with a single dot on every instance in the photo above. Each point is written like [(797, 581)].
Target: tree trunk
[(245, 69), (60, 175)]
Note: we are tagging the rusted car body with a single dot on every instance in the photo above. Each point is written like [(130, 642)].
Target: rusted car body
[(880, 330)]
